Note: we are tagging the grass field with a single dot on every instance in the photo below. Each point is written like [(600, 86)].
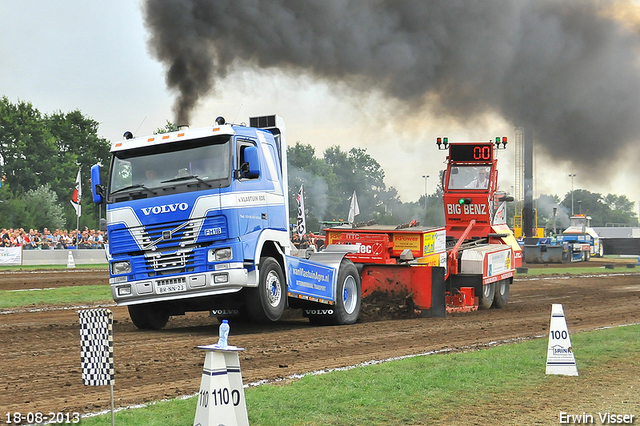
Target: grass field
[(49, 267), (55, 296), (500, 385)]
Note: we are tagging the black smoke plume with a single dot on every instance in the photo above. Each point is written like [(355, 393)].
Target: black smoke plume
[(564, 68)]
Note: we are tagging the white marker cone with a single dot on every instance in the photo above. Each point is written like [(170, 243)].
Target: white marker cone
[(560, 359), (221, 397), (70, 262)]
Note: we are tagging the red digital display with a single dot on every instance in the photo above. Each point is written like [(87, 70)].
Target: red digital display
[(471, 152)]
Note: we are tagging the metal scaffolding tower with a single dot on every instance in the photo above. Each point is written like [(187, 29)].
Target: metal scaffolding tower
[(518, 194)]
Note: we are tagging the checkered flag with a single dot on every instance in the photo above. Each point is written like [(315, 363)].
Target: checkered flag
[(96, 347)]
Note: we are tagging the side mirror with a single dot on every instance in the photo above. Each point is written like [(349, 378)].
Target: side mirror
[(507, 198), (251, 166), (96, 186)]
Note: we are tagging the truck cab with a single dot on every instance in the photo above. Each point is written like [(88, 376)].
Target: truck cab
[(197, 220), (470, 185), (482, 251), (581, 233), (190, 214)]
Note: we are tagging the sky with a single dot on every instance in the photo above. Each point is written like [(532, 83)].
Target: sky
[(96, 57)]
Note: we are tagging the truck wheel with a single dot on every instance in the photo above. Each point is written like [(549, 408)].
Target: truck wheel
[(600, 250), (266, 303), (348, 294), (501, 294), (148, 317), (488, 292), (348, 299)]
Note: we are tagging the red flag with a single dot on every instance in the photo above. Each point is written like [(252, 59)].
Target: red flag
[(77, 196)]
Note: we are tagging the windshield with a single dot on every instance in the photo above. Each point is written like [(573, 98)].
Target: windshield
[(469, 177), (578, 221), (178, 167)]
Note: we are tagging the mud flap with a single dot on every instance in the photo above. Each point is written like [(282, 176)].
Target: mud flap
[(438, 296)]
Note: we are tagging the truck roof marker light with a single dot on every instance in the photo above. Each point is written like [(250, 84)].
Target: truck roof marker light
[(151, 139), (165, 137), (119, 144), (501, 140), (442, 141), (216, 129), (180, 135)]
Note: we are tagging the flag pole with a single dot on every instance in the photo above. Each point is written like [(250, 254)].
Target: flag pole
[(79, 209)]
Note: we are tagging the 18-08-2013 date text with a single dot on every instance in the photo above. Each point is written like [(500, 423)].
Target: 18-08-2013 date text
[(18, 418)]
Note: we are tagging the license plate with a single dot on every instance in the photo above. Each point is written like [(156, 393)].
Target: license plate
[(171, 288)]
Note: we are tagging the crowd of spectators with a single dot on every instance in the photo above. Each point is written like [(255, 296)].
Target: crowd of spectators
[(47, 240), (305, 241)]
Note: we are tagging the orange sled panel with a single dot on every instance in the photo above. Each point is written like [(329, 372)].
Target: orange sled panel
[(424, 283)]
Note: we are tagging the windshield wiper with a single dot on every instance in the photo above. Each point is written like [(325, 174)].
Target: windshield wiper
[(137, 185), (178, 179)]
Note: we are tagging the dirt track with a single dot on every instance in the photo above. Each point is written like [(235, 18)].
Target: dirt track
[(40, 356)]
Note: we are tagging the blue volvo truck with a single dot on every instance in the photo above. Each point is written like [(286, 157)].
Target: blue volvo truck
[(197, 220)]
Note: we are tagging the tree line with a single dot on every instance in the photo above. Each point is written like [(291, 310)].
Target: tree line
[(39, 159), (330, 181), (40, 155)]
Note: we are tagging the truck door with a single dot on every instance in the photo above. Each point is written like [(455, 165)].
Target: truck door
[(250, 191)]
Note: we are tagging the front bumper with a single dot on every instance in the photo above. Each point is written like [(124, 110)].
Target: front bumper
[(173, 287)]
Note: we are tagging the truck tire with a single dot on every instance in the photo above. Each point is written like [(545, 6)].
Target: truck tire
[(266, 302), (501, 293), (348, 299), (600, 250), (148, 317), (488, 294), (348, 294)]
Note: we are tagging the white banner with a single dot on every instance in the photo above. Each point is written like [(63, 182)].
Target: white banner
[(11, 256), (354, 209), (302, 222)]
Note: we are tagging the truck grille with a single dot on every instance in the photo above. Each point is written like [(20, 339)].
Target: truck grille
[(169, 236), (171, 281), (168, 248), (161, 263)]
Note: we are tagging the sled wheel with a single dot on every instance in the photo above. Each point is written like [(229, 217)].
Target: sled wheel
[(488, 291), (148, 317), (266, 302), (501, 294)]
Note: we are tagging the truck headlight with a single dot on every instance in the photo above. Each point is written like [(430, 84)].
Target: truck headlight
[(124, 290), (223, 254), (220, 278), (123, 267)]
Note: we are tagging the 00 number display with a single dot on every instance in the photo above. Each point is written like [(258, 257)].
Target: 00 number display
[(482, 152)]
